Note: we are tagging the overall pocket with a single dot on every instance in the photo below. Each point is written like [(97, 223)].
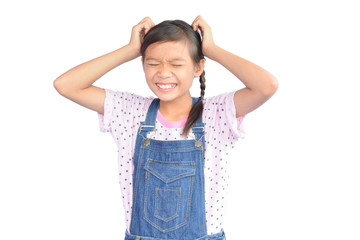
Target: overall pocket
[(168, 191)]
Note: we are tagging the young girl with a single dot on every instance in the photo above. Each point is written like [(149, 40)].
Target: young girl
[(172, 150)]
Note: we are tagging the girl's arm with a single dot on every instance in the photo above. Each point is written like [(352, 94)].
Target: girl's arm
[(76, 84), (260, 84)]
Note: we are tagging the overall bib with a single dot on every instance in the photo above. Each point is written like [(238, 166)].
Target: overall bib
[(168, 186)]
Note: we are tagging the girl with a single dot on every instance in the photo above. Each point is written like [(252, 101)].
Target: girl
[(172, 149)]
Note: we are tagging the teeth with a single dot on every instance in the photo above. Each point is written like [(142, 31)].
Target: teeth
[(167, 86)]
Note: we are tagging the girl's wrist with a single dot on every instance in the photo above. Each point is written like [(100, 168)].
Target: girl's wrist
[(212, 52), (131, 52)]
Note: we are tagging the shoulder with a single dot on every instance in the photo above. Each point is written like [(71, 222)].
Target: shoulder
[(125, 100), (123, 109), (126, 96), (219, 101), (219, 116)]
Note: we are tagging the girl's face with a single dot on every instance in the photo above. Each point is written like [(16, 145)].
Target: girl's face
[(170, 70)]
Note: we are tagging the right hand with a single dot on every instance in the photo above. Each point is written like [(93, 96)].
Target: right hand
[(207, 41), (138, 32)]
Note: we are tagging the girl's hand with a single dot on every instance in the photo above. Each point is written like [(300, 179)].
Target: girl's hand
[(137, 34), (208, 44)]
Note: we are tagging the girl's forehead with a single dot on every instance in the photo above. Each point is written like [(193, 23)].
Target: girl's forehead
[(173, 49)]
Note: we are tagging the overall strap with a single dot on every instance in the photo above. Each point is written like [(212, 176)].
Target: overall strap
[(149, 124), (198, 127)]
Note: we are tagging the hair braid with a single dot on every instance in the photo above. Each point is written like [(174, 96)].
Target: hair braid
[(202, 84), (197, 108)]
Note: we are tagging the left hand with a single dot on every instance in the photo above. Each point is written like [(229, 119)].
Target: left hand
[(208, 43)]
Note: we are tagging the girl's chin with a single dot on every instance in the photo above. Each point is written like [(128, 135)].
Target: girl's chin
[(174, 98), (166, 98)]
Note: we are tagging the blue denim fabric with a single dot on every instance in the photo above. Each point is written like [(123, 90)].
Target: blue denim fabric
[(168, 185), (217, 236)]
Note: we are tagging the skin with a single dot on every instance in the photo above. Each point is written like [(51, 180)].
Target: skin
[(77, 83), (171, 63), (260, 84)]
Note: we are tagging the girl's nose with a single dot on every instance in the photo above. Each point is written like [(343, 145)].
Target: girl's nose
[(164, 72)]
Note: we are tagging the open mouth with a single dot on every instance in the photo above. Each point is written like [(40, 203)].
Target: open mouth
[(166, 86)]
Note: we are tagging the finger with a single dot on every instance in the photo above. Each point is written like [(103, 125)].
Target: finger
[(198, 23), (151, 22), (195, 23), (142, 26), (144, 19), (147, 24), (198, 27), (195, 27), (147, 20)]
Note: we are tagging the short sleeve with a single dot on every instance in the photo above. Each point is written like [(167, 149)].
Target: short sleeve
[(236, 123), (122, 109), (104, 119), (220, 114)]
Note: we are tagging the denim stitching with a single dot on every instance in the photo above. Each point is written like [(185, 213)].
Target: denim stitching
[(173, 150), (217, 236), (190, 187), (187, 213), (136, 182), (191, 182), (156, 213), (173, 162), (177, 177), (201, 163), (146, 193)]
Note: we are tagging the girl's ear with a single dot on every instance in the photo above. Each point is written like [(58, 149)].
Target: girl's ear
[(199, 68)]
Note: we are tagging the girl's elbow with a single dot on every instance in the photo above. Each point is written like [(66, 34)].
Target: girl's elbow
[(274, 84), (60, 86), (57, 85), (271, 87)]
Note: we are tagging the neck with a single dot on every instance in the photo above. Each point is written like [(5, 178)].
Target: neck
[(176, 110)]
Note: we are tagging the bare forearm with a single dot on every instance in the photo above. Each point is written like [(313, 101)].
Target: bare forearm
[(260, 84), (85, 74), (254, 77)]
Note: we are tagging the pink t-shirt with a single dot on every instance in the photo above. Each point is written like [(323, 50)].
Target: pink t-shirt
[(123, 113)]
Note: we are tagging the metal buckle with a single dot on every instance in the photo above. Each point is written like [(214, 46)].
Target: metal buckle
[(146, 142), (145, 126), (199, 127)]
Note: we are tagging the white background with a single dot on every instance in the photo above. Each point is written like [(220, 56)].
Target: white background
[(294, 176)]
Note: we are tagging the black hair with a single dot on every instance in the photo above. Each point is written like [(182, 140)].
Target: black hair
[(178, 30)]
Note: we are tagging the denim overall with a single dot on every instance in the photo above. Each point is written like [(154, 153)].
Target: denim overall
[(168, 186)]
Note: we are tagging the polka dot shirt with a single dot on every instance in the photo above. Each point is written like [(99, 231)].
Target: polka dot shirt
[(123, 113)]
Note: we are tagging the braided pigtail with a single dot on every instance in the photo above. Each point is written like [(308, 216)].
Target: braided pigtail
[(197, 108)]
